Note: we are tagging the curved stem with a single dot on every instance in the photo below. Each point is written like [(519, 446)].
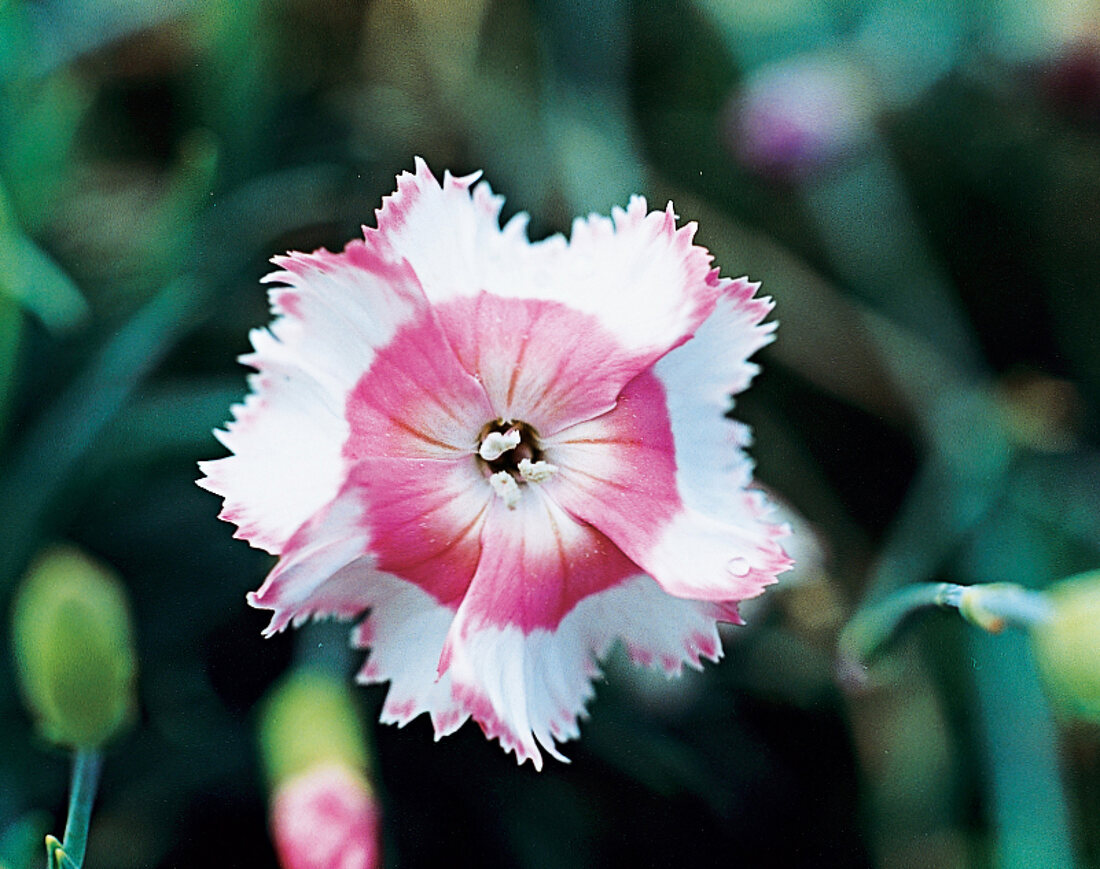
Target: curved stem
[(874, 625), (994, 605), (990, 606), (87, 764)]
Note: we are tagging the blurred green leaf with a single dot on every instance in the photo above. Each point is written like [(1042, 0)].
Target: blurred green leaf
[(64, 433), (168, 420), (1019, 739), (817, 321), (658, 760), (873, 239), (760, 32), (587, 116), (235, 88), (69, 29), (1027, 801), (38, 123), (30, 277), (15, 39)]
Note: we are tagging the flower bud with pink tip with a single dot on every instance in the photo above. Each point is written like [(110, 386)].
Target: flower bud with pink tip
[(1067, 645), (324, 813)]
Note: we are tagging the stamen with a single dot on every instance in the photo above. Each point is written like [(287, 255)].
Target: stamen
[(505, 485), (536, 472), (496, 444)]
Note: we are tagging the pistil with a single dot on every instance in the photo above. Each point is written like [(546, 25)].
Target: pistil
[(512, 459), (496, 444)]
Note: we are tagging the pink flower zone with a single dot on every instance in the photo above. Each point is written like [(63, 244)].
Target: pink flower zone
[(503, 456), (326, 818)]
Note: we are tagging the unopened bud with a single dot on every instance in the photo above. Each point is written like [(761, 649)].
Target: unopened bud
[(324, 813), (74, 648), (309, 720), (1067, 645)]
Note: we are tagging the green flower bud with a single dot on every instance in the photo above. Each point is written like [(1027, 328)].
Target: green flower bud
[(310, 719), (1067, 645), (74, 648)]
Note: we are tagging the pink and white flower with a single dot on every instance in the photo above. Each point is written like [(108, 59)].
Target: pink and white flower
[(509, 454), (326, 818)]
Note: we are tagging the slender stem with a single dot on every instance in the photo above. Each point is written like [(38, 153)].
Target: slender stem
[(87, 763), (995, 605), (873, 626), (991, 606), (1027, 804)]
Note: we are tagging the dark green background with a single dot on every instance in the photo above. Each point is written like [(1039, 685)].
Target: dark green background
[(929, 407)]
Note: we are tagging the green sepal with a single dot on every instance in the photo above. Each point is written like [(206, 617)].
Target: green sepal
[(56, 858)]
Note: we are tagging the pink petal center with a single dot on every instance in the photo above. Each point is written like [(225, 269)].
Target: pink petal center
[(447, 453)]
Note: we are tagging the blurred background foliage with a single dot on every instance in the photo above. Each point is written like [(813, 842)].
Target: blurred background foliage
[(916, 182)]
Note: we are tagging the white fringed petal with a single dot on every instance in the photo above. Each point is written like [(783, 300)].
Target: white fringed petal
[(287, 437), (286, 464), (526, 689), (323, 571), (405, 632), (636, 272), (641, 275), (451, 236), (699, 377)]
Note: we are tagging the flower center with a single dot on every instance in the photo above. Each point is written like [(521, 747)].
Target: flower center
[(510, 457)]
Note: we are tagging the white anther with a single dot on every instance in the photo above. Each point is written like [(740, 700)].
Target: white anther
[(505, 485), (496, 444), (536, 472)]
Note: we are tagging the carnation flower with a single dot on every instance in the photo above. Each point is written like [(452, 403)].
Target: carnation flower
[(507, 454)]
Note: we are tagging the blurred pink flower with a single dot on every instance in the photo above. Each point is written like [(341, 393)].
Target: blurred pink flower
[(797, 117), (326, 818), (1071, 79), (511, 454)]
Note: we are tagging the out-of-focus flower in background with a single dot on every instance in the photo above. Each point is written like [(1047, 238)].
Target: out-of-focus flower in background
[(74, 648), (324, 812), (799, 116), (512, 454)]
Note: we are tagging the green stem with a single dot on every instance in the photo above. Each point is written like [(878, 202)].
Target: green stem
[(1027, 804), (873, 626), (87, 763), (990, 606)]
